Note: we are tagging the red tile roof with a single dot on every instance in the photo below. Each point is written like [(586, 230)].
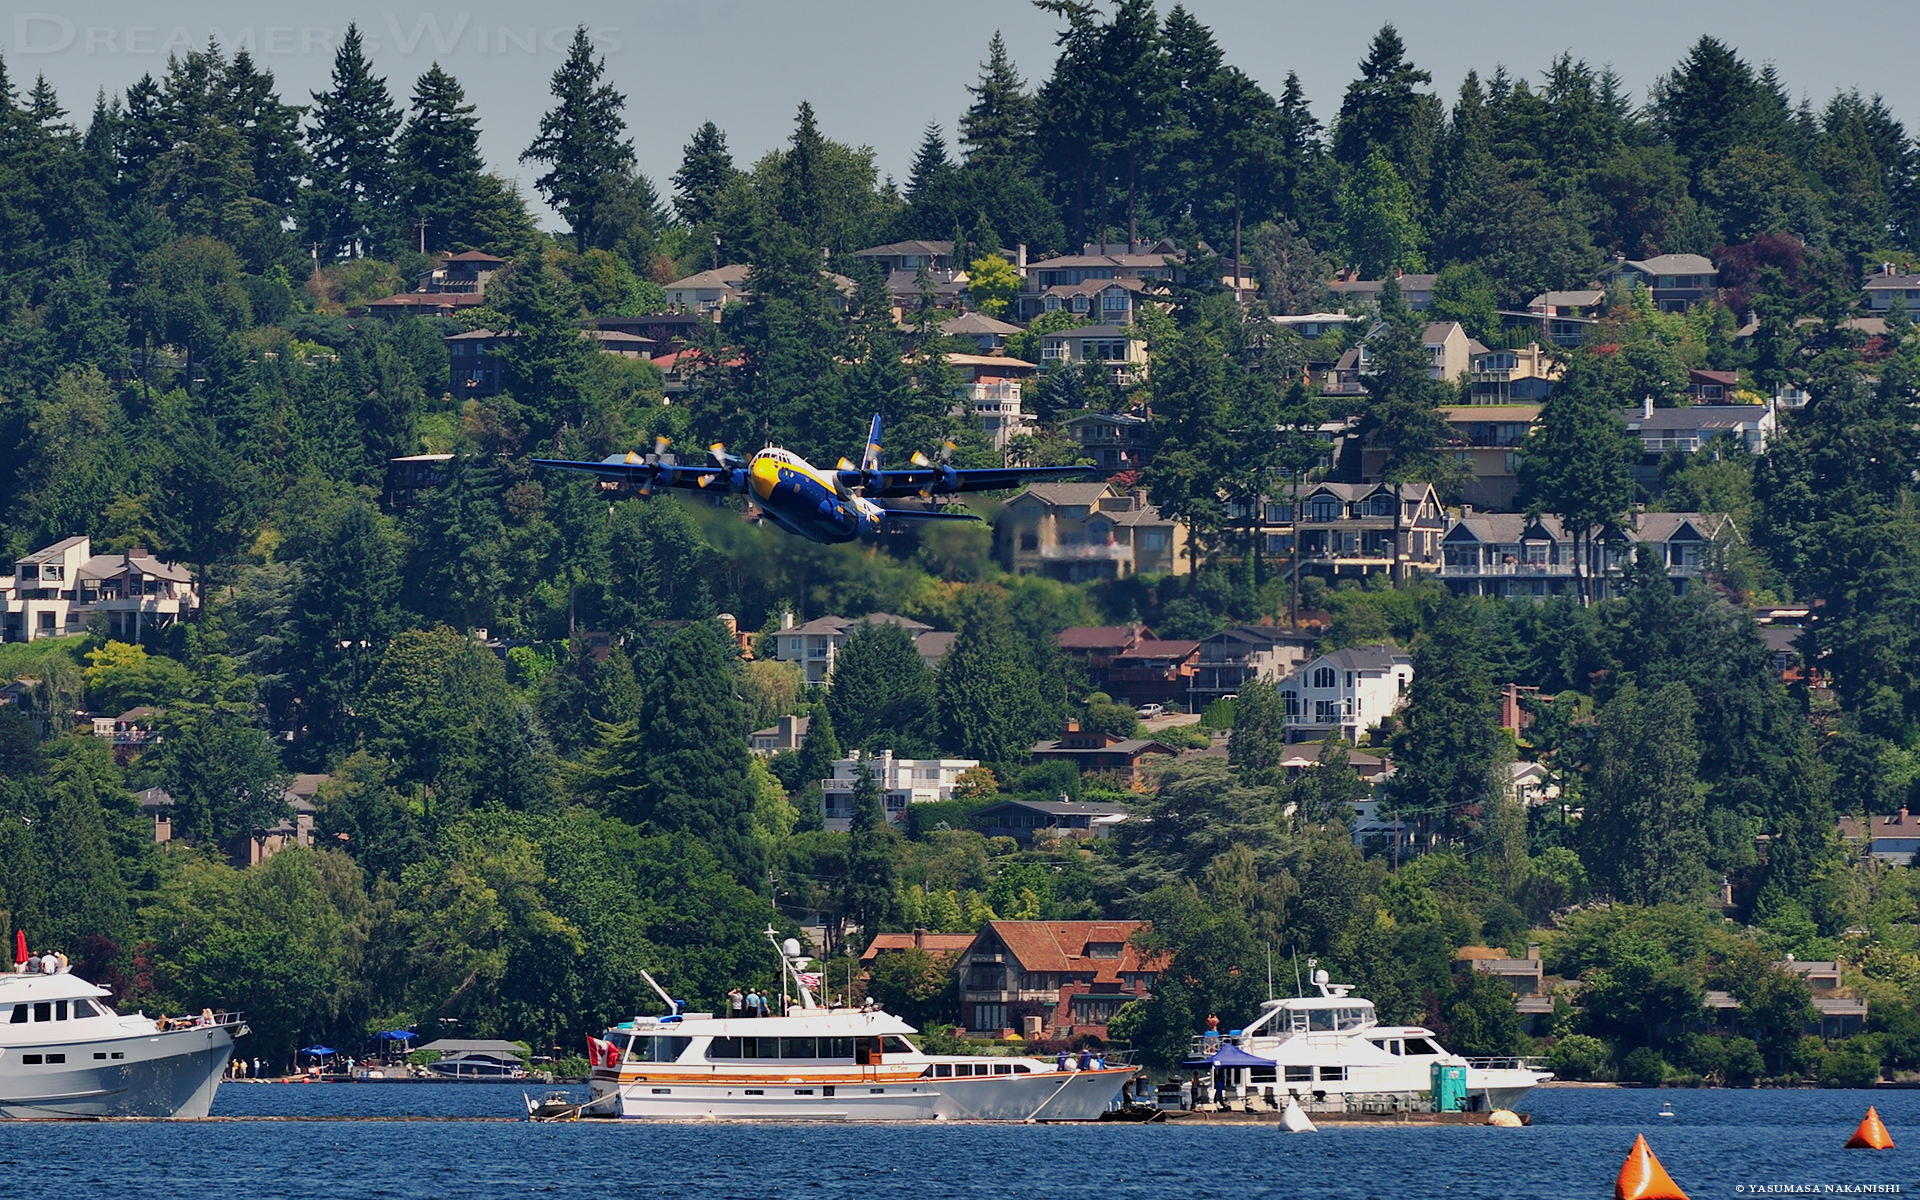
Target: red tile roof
[(1062, 946), (932, 943)]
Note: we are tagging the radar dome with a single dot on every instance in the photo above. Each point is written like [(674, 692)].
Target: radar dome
[(1320, 977)]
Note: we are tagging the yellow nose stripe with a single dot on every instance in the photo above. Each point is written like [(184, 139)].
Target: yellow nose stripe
[(766, 473)]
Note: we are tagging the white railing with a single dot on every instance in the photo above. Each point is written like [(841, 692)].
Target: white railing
[(1115, 552), (1513, 568)]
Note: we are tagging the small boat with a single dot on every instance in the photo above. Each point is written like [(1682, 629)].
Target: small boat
[(553, 1106), (64, 1052), (824, 1064), (1666, 1110)]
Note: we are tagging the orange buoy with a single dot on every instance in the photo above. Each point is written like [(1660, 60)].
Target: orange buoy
[(1643, 1178), (1872, 1134)]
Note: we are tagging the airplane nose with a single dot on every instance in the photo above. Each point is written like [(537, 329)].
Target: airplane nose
[(765, 474)]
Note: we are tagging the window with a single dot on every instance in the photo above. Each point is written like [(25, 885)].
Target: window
[(799, 1048), (1291, 699), (1420, 1046), (989, 1016), (1053, 304), (31, 1060), (19, 1014), (1299, 1074), (1278, 513), (1326, 711), (1325, 677), (43, 1011), (1154, 539), (1029, 542), (59, 1010), (1103, 949), (1114, 302), (1326, 508), (1380, 506), (1333, 1074), (1079, 304)]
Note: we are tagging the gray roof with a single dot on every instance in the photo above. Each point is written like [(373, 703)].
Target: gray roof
[(1695, 416), (1662, 527), (973, 324), (1675, 264), (733, 275), (54, 551), (906, 247), (1366, 658), (1503, 527), (1408, 283), (1879, 282), (1578, 298)]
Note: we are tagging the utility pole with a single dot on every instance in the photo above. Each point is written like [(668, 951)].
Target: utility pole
[(421, 225)]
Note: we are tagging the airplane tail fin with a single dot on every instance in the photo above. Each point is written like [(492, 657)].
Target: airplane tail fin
[(870, 457)]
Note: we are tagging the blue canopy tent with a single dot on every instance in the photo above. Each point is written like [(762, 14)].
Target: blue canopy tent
[(319, 1051), (1228, 1055), (398, 1035)]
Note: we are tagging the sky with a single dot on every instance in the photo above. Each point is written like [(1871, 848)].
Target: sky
[(877, 71)]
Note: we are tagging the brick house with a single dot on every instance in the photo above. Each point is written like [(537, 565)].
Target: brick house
[(1071, 975)]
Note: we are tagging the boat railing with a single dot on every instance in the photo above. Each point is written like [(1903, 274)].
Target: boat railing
[(210, 1020), (1506, 1062)]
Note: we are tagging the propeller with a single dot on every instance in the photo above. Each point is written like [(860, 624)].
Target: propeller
[(654, 462), (949, 478), (717, 459)]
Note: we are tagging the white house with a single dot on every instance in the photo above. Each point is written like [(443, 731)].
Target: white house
[(902, 781), (1345, 693), (59, 589)]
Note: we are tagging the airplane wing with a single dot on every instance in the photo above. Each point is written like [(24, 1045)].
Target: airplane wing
[(941, 480), (636, 472), (922, 514)]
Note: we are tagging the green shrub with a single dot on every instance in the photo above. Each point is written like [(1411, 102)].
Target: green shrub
[(571, 1067), (1852, 1064), (1643, 1066), (1744, 1062), (1578, 1056)]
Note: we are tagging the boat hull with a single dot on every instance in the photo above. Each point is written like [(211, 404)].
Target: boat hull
[(171, 1074), (1043, 1096), (1506, 1086), (663, 1100)]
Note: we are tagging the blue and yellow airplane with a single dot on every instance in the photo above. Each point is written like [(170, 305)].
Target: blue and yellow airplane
[(821, 506)]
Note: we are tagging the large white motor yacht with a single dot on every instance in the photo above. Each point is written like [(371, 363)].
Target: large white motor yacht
[(65, 1053), (818, 1063), (1329, 1050)]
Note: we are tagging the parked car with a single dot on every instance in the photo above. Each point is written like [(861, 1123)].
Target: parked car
[(1147, 712)]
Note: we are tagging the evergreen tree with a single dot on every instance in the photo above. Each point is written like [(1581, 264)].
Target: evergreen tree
[(870, 891), (1377, 220), (1578, 465), (881, 696), (438, 163), (1382, 113), (1259, 734), (85, 894), (818, 753), (695, 778), (456, 568), (1645, 819), (987, 691), (351, 200), (930, 166), (997, 128), (582, 142), (546, 362), (1447, 745), (706, 171)]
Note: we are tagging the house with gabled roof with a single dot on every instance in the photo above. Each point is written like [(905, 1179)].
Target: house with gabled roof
[(1415, 290), (988, 333), (1071, 975), (1512, 555), (1233, 658), (1117, 348), (1352, 529), (1082, 531), (1449, 353), (1887, 289), (1100, 750), (459, 281), (816, 645), (60, 589), (1114, 441), (1345, 693), (1094, 647), (1677, 281)]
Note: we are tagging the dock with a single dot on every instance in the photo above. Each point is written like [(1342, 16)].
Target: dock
[(1352, 1119)]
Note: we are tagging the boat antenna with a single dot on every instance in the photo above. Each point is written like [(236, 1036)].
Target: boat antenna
[(1269, 970), (1296, 972), (673, 1006)]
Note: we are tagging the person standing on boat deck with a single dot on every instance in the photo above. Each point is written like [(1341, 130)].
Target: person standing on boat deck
[(1060, 1063), (736, 1003), (1186, 1094), (1086, 1059)]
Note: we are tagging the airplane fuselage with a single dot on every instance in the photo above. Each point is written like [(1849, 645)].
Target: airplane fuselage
[(804, 500)]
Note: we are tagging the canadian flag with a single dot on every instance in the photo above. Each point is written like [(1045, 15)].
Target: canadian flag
[(599, 1053)]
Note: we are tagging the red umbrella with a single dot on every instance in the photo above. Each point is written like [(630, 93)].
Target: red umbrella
[(19, 945)]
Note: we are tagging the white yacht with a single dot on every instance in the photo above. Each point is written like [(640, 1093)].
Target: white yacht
[(818, 1063), (1329, 1051), (64, 1052)]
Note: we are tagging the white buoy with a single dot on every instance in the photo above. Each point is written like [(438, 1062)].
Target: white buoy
[(1504, 1118), (1294, 1119)]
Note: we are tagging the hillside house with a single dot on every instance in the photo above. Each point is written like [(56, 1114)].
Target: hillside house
[(816, 645), (1137, 268), (1096, 750), (1025, 820), (1114, 348), (1070, 975), (59, 590), (460, 281), (1415, 290), (1508, 554), (1887, 289), (1342, 530), (1083, 531), (1114, 441), (1677, 281), (1233, 658), (902, 781), (1345, 693)]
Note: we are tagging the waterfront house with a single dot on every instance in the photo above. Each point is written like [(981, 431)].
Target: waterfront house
[(1069, 976), (1345, 693), (902, 781)]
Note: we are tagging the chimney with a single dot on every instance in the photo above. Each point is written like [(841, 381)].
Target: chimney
[(1902, 818), (920, 936), (1533, 951), (1646, 407), (786, 619), (1466, 510), (1020, 260)]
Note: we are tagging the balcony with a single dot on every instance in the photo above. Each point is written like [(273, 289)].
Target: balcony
[(1508, 568), (1084, 552), (1002, 392)]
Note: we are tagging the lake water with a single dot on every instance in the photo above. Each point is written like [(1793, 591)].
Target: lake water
[(1720, 1144)]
